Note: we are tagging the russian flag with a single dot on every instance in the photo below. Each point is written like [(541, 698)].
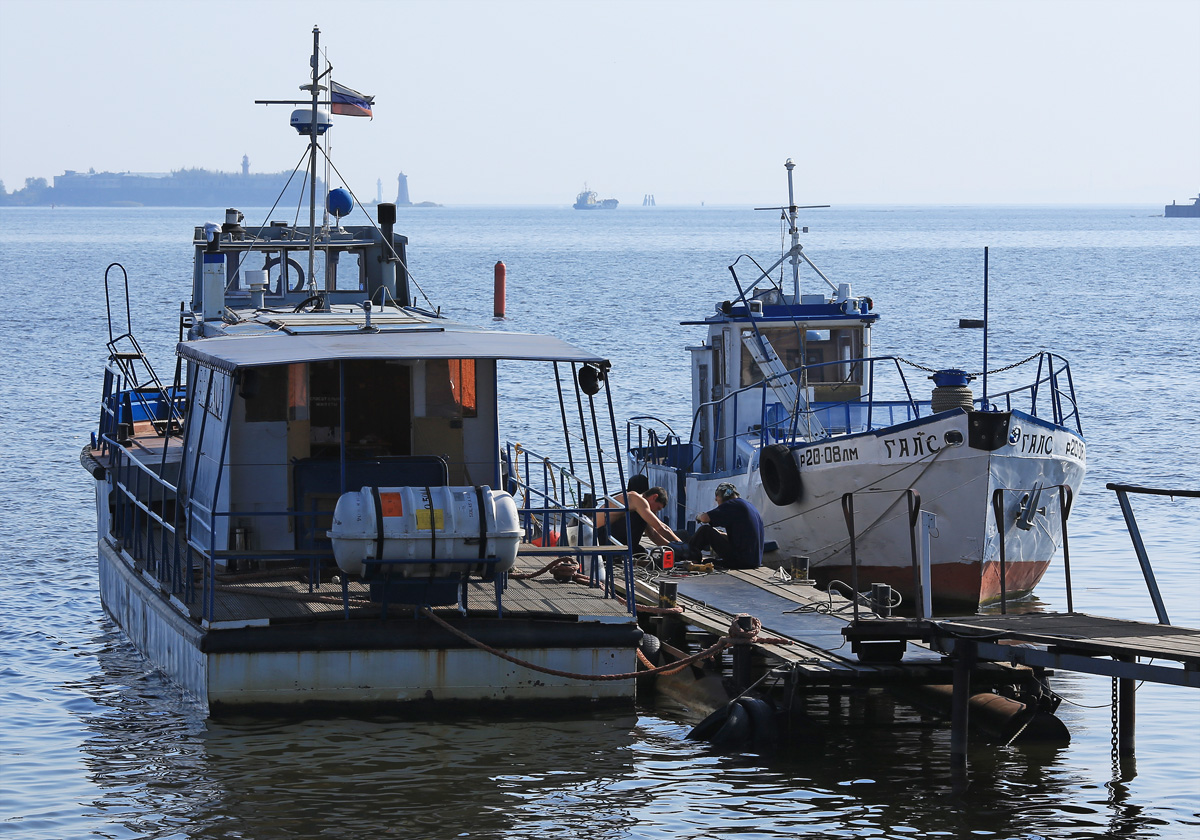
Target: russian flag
[(349, 103)]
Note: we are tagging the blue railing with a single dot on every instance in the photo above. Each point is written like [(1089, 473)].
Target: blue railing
[(149, 524), (554, 500), (1051, 394), (124, 403)]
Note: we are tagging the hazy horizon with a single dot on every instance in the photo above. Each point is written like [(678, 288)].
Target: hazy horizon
[(912, 102)]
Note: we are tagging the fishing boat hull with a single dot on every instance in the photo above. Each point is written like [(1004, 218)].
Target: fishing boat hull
[(254, 665), (956, 471)]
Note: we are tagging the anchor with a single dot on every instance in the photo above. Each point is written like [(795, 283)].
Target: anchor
[(1029, 507)]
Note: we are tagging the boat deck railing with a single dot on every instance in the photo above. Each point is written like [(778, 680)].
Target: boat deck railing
[(184, 546), (132, 388), (1051, 394), (558, 509)]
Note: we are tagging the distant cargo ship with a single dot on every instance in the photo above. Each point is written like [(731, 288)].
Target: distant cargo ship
[(587, 200), (1188, 211)]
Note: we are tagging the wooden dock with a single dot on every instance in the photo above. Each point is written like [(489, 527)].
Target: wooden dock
[(818, 643)]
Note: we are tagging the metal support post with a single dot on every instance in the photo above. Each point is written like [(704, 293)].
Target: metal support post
[(998, 510), (1139, 548), (741, 658), (928, 525), (964, 660), (1126, 711)]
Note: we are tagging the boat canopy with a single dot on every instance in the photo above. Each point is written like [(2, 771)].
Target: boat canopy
[(230, 353)]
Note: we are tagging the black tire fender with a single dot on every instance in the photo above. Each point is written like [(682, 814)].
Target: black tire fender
[(746, 724), (764, 734), (779, 473)]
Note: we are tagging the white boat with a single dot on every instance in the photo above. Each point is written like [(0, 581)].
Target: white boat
[(317, 508), (853, 464)]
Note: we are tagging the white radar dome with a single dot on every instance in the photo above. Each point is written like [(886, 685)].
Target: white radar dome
[(302, 121)]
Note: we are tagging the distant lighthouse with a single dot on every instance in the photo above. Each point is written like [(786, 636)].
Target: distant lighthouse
[(379, 191), (402, 199), (245, 165)]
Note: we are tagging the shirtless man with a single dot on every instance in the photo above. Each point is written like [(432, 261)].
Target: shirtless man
[(610, 524)]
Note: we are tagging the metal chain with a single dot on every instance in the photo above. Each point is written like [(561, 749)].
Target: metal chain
[(1116, 700), (981, 373)]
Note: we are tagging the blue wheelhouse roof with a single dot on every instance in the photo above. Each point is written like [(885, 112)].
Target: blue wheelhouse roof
[(231, 353)]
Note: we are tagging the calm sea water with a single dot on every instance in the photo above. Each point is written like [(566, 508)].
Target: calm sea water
[(94, 743)]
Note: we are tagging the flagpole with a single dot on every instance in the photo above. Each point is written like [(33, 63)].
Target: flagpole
[(328, 185), (312, 168)]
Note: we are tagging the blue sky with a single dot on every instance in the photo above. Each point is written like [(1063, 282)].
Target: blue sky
[(877, 101)]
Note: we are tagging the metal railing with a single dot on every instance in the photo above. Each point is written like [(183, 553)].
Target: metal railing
[(148, 523), (1052, 392), (560, 500), (1135, 534), (921, 582)]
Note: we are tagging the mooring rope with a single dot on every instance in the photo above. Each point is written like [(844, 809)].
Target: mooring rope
[(663, 669), (743, 637)]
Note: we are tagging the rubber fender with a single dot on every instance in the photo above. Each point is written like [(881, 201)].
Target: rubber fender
[(779, 473), (706, 729), (764, 734), (747, 724), (649, 645), (735, 734)]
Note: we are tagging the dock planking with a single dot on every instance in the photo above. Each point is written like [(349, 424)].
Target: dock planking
[(820, 624), (288, 598), (1087, 634)]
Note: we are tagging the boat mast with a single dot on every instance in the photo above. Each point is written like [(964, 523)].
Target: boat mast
[(795, 252)]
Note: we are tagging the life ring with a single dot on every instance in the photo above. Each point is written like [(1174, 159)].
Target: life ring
[(779, 473), (292, 264)]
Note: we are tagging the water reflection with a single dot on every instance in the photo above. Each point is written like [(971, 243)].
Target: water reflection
[(162, 767), (163, 770)]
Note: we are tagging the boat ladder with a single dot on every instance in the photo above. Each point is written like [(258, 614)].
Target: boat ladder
[(130, 373)]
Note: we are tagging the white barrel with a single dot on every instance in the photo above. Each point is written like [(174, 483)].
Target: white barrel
[(451, 525)]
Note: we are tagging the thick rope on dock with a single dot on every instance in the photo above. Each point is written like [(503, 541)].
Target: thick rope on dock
[(647, 609), (563, 570), (745, 629), (672, 668)]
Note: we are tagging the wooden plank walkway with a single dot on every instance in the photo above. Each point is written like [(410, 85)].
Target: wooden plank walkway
[(812, 621), (1089, 635), (819, 624), (284, 599)]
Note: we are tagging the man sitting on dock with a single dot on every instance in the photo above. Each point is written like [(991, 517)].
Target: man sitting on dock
[(741, 546), (610, 524)]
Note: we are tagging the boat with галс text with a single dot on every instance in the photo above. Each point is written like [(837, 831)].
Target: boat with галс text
[(847, 460), (317, 508)]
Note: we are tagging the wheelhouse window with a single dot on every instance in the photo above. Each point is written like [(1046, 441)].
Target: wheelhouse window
[(826, 354), (450, 388), (378, 414)]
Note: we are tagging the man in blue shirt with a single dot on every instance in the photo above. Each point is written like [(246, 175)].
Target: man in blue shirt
[(741, 546)]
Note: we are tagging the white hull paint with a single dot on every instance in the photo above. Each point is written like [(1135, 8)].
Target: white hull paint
[(956, 483), (231, 679)]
